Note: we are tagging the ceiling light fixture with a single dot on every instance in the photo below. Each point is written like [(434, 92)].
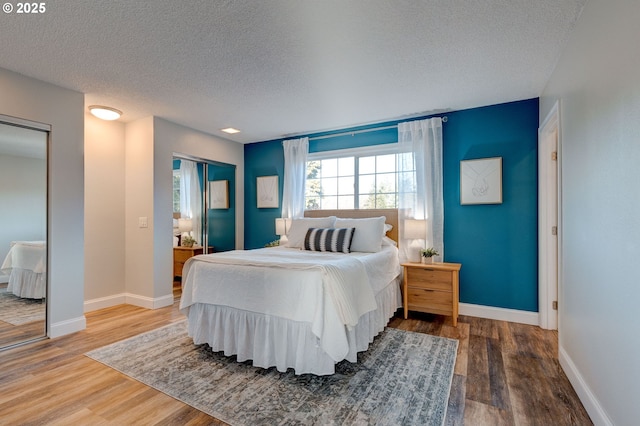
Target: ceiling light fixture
[(230, 130), (105, 113)]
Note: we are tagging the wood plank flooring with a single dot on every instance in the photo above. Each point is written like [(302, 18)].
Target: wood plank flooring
[(505, 374)]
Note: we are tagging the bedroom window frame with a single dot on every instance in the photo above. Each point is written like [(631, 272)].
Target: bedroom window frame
[(357, 154)]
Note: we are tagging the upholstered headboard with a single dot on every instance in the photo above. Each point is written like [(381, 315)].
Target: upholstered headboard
[(390, 214)]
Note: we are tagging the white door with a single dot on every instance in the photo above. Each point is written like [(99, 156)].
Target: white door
[(548, 232)]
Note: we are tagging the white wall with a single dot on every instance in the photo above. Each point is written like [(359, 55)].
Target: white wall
[(63, 109), (598, 83), (139, 195), (23, 210), (104, 225)]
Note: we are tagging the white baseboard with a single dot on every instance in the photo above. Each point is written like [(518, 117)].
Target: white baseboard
[(148, 302), (501, 314), (104, 302), (588, 399), (63, 328), (129, 299)]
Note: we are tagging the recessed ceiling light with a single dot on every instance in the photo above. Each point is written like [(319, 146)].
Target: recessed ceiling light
[(105, 113), (230, 130)]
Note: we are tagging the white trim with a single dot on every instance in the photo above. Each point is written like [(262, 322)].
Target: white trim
[(380, 149), (69, 326), (548, 216), (21, 122), (104, 302), (128, 299), (500, 314), (148, 302), (591, 404)]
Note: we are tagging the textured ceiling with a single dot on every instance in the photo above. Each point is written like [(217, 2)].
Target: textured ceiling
[(284, 67)]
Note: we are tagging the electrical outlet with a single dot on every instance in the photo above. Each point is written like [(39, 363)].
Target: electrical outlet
[(143, 222)]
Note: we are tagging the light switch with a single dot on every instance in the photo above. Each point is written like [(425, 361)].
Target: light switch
[(142, 222)]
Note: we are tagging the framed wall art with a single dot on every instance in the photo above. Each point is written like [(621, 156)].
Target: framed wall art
[(481, 181), (219, 194), (267, 191)]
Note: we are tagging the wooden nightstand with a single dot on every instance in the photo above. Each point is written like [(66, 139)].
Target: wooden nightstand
[(431, 288), (181, 254)]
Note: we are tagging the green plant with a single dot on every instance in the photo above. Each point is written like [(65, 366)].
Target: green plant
[(188, 241), (274, 243), (430, 252)]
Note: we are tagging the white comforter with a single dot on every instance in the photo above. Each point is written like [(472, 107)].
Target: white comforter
[(27, 255), (327, 290), (26, 265)]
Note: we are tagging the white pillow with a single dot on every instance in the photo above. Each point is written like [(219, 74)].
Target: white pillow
[(386, 241), (299, 228), (368, 235)]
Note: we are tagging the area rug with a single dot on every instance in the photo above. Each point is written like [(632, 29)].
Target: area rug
[(404, 378), (17, 311)]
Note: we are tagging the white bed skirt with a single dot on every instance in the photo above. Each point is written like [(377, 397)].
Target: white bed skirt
[(27, 284), (277, 342)]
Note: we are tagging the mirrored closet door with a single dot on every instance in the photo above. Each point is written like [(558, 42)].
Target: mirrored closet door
[(23, 230)]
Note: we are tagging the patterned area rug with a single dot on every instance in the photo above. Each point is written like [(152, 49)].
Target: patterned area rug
[(17, 311), (403, 379)]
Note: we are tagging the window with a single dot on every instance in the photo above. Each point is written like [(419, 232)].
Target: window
[(359, 179), (176, 191)]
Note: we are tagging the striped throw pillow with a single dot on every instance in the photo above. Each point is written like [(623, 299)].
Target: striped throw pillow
[(329, 239)]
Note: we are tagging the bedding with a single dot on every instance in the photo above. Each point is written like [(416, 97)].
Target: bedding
[(26, 266), (291, 308)]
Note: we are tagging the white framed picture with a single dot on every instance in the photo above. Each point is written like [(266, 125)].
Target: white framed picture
[(267, 191), (219, 194), (481, 181)]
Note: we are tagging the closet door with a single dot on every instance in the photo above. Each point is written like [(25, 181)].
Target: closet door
[(23, 230)]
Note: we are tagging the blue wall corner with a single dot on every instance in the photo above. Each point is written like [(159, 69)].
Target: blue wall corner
[(496, 244)]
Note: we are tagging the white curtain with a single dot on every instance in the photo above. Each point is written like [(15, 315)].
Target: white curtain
[(420, 186), (295, 177), (191, 197)]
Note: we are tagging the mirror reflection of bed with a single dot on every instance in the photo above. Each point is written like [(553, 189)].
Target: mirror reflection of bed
[(23, 232)]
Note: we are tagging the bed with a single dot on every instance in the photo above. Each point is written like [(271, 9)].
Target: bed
[(287, 307), (26, 266)]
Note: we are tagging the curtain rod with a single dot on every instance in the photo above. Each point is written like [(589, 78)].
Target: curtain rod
[(356, 132)]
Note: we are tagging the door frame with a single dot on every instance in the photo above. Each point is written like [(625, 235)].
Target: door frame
[(549, 215)]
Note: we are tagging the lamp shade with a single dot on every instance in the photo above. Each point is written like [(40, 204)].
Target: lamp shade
[(415, 229), (185, 225), (282, 225)]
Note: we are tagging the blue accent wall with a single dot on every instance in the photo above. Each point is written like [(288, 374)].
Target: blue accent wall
[(261, 159), (496, 244)]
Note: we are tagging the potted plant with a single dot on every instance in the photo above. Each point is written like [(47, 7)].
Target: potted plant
[(427, 254), (188, 241)]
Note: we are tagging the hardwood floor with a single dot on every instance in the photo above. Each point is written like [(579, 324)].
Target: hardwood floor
[(505, 374)]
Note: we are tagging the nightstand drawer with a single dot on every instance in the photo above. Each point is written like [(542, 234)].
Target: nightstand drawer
[(181, 256), (430, 300), (429, 278)]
